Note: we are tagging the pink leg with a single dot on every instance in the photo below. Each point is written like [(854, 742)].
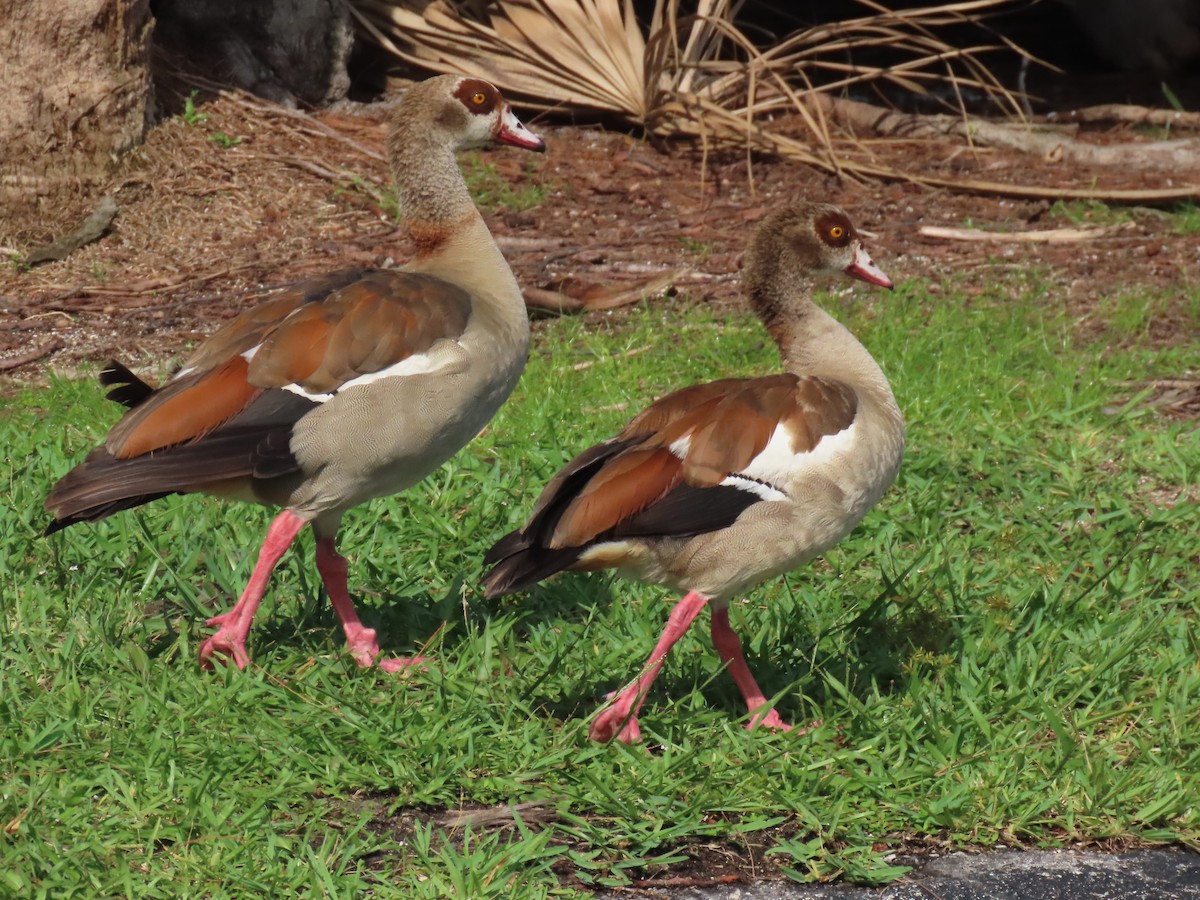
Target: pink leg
[(230, 639), (729, 648), (619, 718), (360, 639)]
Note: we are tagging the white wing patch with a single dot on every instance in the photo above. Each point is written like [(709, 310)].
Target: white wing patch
[(315, 398), (417, 364), (778, 465), (681, 445), (775, 462), (439, 359), (764, 491)]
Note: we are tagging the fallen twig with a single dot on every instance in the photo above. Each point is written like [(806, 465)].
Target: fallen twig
[(257, 104), (92, 229), (721, 125), (342, 177), (612, 299), (1049, 236), (142, 289), (518, 243), (1132, 115), (150, 285), (1189, 383), (1178, 397), (530, 813), (572, 294), (1051, 145), (21, 359)]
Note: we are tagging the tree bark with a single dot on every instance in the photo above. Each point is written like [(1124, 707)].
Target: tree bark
[(76, 96)]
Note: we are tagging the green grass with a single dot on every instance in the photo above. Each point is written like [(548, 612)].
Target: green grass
[(699, 249), (1089, 212), (191, 115), (1005, 650), (1184, 217), (225, 141), (493, 192), (490, 190)]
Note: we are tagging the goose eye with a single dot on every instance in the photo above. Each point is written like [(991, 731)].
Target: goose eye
[(836, 232), (479, 98)]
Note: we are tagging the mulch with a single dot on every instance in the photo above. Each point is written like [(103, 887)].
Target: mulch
[(213, 212)]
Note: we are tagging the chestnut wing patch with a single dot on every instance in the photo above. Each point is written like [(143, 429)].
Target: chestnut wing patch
[(684, 466), (317, 334), (378, 321), (183, 410), (821, 407), (699, 437), (692, 436), (631, 482), (250, 327)]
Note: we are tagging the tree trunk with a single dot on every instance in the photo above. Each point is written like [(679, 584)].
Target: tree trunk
[(76, 95)]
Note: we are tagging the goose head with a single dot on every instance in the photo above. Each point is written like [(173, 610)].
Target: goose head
[(466, 112), (804, 240)]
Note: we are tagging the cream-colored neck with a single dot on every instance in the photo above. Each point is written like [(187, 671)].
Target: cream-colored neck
[(818, 344), (452, 240), (812, 342), (430, 190)]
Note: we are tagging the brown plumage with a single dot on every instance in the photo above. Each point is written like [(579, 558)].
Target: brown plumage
[(339, 388), (718, 486)]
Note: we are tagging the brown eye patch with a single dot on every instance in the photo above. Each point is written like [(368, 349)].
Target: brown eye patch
[(477, 96), (835, 229)]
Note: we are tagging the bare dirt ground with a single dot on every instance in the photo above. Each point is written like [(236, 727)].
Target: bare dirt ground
[(223, 203)]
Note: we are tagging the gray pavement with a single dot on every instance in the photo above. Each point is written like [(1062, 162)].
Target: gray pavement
[(1156, 874)]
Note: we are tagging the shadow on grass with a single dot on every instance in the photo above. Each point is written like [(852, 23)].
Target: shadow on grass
[(869, 654), (589, 645), (873, 659), (290, 620)]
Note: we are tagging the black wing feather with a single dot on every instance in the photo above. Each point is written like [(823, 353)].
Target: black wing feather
[(554, 499), (124, 387), (702, 509), (522, 558), (254, 443)]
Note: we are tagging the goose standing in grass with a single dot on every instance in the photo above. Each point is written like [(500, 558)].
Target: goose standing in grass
[(338, 389), (716, 487)]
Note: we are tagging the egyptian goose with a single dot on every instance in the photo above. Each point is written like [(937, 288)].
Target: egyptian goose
[(716, 487), (337, 389)]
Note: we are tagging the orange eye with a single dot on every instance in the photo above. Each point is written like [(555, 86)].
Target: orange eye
[(836, 232), (479, 98)]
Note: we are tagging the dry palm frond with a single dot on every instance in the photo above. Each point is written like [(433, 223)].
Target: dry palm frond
[(594, 54), (699, 75), (587, 53)]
